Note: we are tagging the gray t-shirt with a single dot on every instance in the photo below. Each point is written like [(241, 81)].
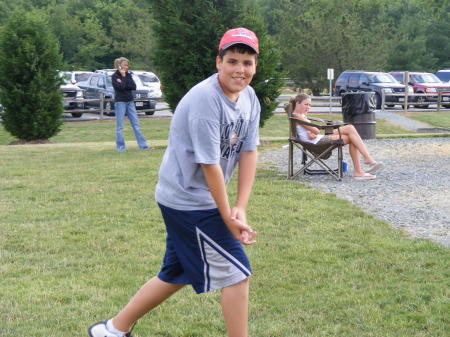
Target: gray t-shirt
[(207, 128)]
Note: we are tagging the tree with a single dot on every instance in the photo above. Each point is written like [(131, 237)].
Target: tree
[(320, 34), (128, 24), (187, 36), (29, 81), (409, 48), (92, 33)]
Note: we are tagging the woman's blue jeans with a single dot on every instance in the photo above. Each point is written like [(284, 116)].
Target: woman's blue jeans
[(128, 109)]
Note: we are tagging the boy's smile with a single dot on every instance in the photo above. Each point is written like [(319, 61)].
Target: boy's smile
[(236, 71)]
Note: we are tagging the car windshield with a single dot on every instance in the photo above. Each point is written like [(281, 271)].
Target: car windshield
[(381, 78), (137, 80), (66, 77), (148, 78), (81, 77), (425, 78)]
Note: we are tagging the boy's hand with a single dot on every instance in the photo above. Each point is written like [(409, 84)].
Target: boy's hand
[(241, 231), (239, 228)]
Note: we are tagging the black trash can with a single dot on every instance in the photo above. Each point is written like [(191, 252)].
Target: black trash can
[(358, 108)]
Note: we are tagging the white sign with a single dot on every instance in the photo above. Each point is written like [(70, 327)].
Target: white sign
[(330, 73)]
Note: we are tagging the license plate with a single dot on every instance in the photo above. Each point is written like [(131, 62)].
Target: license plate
[(139, 103), (446, 99), (401, 99)]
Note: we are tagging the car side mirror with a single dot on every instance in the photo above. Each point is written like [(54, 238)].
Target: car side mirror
[(410, 83), (365, 83), (73, 81)]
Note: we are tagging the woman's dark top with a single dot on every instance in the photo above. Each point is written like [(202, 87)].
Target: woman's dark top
[(123, 90)]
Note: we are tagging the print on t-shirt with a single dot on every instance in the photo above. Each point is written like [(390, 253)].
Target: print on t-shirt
[(232, 137)]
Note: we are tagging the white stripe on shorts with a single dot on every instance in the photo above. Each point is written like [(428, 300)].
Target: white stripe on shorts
[(221, 269)]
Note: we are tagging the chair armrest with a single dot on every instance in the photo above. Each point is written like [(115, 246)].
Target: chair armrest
[(335, 124), (315, 119)]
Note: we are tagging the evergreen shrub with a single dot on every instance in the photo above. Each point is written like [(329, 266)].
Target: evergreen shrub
[(29, 81)]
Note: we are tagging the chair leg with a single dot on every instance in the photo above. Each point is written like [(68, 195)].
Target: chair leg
[(340, 160), (336, 173), (313, 158), (290, 160)]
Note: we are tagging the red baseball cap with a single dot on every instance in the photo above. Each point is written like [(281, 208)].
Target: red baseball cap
[(239, 35)]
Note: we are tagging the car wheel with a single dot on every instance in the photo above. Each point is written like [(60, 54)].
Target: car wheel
[(76, 114), (446, 106), (377, 101), (151, 105), (109, 106), (390, 105), (421, 99)]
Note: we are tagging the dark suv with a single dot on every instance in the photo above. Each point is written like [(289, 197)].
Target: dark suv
[(361, 80), (443, 75), (425, 83)]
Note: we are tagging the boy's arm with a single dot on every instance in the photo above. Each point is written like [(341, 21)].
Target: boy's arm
[(246, 178), (247, 170), (216, 183)]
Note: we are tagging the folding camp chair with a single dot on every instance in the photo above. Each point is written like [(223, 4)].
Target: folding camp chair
[(313, 153)]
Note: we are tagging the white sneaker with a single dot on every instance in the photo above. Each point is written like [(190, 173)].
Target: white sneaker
[(99, 330)]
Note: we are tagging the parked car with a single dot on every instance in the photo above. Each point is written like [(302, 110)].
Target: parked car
[(76, 76), (361, 80), (151, 81), (100, 83), (424, 83), (444, 75), (73, 96)]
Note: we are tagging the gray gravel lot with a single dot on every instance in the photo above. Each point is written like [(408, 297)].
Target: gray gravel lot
[(411, 193)]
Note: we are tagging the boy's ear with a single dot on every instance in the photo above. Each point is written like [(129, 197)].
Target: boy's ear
[(218, 61)]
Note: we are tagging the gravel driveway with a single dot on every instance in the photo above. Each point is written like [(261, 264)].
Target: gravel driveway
[(411, 193)]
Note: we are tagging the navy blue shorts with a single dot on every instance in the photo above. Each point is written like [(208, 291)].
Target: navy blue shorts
[(201, 251)]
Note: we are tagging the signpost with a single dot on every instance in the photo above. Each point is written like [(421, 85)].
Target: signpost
[(330, 77)]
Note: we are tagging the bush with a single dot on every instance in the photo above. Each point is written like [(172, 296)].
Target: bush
[(29, 81)]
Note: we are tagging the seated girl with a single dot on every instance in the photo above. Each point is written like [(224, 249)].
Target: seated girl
[(301, 105)]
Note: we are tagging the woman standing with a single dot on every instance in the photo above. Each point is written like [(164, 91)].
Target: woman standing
[(124, 85)]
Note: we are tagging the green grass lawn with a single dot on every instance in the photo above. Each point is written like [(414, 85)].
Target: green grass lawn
[(439, 119), (101, 131), (158, 128), (80, 233)]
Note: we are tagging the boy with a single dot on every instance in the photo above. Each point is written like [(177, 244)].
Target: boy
[(215, 126)]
